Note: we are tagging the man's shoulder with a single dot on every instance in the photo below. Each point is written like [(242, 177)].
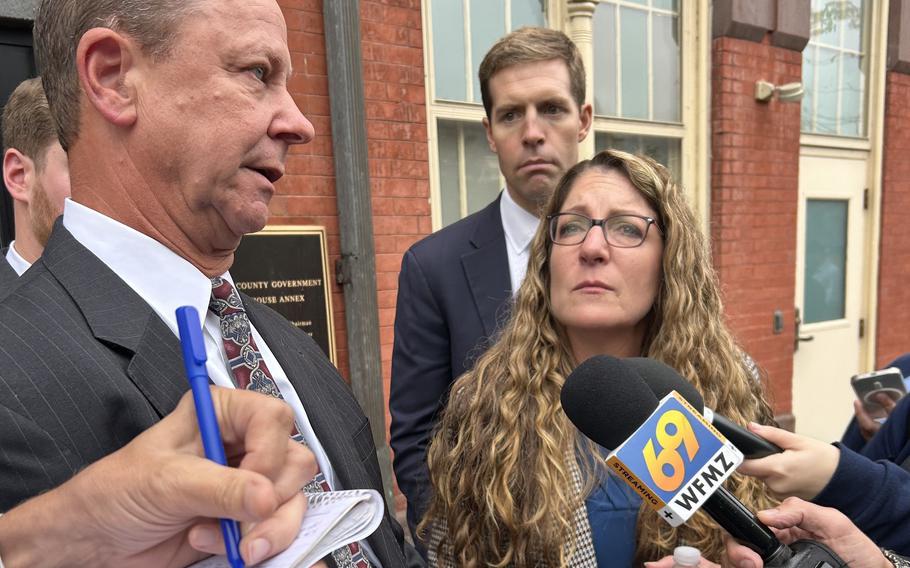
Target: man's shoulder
[(455, 239)]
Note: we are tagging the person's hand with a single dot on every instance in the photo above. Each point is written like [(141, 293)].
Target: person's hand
[(156, 501), (868, 426), (802, 470), (796, 519), (667, 562)]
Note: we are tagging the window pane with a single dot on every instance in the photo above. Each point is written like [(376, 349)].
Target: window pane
[(634, 54), (826, 67), (449, 201), (854, 80), (666, 4), (834, 73), (664, 150), (488, 23), (665, 30), (449, 50), (826, 260), (826, 16), (526, 13), (481, 168), (853, 25), (605, 60), (807, 112)]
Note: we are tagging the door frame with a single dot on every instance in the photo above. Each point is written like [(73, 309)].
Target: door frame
[(873, 145)]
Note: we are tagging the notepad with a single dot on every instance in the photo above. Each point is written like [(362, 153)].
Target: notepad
[(332, 520)]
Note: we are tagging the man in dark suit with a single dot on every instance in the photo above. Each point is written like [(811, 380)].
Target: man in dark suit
[(177, 121), (455, 284), (36, 175)]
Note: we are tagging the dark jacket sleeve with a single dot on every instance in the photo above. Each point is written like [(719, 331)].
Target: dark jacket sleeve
[(875, 495), (421, 376)]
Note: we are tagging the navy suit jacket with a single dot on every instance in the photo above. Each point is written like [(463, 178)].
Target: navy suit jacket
[(86, 365), (8, 276), (872, 488), (453, 291)]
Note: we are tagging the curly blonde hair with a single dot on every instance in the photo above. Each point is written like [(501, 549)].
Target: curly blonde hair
[(498, 460)]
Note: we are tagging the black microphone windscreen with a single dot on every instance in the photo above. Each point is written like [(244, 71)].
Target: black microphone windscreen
[(662, 379), (607, 400)]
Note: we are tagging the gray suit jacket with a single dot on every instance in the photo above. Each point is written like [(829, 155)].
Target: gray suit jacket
[(86, 365), (8, 276)]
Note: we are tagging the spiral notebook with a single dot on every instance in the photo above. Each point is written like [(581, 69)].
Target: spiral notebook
[(332, 520)]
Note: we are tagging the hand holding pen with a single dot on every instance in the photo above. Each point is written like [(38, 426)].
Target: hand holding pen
[(287, 484), (155, 501)]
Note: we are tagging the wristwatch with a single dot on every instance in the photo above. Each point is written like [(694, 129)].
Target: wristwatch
[(896, 560)]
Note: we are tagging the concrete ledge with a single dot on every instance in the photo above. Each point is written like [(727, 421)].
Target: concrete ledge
[(791, 29), (743, 19)]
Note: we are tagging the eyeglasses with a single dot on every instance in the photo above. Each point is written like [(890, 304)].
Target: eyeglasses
[(623, 231)]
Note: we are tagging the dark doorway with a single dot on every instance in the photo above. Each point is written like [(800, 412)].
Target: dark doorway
[(18, 63)]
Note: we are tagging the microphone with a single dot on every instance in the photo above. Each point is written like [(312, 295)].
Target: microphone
[(609, 402), (663, 379)]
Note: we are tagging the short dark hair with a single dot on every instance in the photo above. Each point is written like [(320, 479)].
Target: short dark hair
[(27, 123), (530, 45)]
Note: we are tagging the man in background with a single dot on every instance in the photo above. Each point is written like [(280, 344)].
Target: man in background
[(36, 175), (455, 284)]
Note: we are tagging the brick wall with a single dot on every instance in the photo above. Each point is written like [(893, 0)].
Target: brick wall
[(893, 333), (754, 182), (393, 74)]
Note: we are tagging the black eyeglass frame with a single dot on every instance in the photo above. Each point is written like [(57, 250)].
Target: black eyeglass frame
[(602, 223)]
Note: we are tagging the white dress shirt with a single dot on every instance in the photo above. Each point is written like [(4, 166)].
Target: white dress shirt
[(167, 281), (519, 227), (15, 260)]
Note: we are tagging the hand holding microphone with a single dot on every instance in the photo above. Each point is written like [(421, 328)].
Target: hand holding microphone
[(802, 470), (796, 519), (666, 451)]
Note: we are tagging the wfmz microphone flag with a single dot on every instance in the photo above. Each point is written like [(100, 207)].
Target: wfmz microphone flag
[(675, 460)]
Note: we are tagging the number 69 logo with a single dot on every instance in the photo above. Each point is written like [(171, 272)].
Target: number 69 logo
[(673, 431)]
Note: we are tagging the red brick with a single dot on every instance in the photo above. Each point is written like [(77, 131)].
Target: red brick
[(893, 335), (755, 163)]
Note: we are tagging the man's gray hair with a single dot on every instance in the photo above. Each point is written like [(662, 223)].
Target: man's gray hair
[(60, 24)]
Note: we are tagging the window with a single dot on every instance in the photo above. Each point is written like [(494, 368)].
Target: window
[(467, 173), (835, 69), (637, 76)]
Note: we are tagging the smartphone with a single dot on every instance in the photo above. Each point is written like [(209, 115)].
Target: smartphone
[(888, 381)]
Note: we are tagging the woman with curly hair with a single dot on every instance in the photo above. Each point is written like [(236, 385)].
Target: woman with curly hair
[(619, 267)]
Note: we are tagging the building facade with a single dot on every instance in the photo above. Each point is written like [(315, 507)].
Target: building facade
[(804, 197)]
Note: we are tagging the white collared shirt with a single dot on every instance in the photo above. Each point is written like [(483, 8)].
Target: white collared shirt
[(519, 227), (15, 260), (167, 281)]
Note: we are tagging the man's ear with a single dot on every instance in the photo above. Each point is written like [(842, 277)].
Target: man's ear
[(489, 130), (18, 175), (585, 118), (103, 59)]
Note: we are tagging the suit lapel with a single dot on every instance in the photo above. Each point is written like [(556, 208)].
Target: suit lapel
[(8, 276), (117, 316), (487, 267), (312, 379)]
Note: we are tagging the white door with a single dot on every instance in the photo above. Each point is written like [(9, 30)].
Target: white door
[(828, 289)]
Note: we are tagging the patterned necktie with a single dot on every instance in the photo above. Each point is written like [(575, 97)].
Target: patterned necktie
[(250, 372)]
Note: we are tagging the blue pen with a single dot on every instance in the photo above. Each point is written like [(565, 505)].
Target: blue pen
[(194, 360)]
